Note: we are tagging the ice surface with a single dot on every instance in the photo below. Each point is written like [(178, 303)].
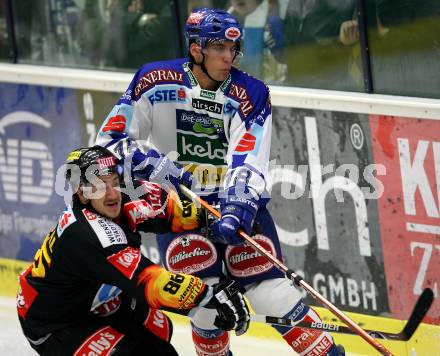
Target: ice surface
[(13, 343)]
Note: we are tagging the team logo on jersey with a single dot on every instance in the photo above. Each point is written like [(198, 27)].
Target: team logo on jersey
[(66, 220), (200, 138), (244, 261), (206, 105), (195, 253), (126, 261), (233, 33), (167, 94), (116, 123), (208, 94), (247, 143), (102, 342), (106, 230), (89, 215), (106, 300)]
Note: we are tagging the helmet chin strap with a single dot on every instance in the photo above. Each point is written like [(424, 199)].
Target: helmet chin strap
[(203, 67)]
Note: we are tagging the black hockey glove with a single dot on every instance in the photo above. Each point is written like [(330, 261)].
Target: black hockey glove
[(233, 312)]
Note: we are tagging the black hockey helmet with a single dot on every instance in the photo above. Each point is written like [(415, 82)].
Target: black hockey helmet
[(96, 160)]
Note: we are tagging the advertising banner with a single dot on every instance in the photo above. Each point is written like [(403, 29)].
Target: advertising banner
[(324, 206), (38, 127), (409, 209), (356, 202)]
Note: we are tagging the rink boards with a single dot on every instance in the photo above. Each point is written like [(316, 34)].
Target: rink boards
[(355, 182)]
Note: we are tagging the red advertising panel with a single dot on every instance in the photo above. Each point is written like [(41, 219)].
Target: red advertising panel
[(409, 209)]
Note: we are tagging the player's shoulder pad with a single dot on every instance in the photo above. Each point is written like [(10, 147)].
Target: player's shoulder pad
[(250, 92), (253, 85), (161, 72)]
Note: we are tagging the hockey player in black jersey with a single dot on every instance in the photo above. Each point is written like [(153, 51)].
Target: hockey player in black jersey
[(90, 291)]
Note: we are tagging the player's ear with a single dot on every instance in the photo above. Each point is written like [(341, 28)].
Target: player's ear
[(81, 195), (195, 50)]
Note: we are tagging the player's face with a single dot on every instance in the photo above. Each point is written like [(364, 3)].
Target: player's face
[(108, 202), (219, 57)]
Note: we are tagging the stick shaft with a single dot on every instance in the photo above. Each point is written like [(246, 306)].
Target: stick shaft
[(292, 275), (419, 311), (325, 327)]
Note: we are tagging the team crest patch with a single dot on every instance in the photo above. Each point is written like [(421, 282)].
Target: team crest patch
[(107, 300), (116, 123), (190, 253), (66, 219), (233, 33), (244, 261)]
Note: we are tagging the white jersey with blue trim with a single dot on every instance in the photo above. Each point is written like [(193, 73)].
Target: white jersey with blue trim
[(212, 132)]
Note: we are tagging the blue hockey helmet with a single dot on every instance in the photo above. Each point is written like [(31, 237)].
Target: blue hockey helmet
[(205, 24)]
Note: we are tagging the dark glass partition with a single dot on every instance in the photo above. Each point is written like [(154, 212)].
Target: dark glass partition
[(5, 34), (377, 46), (98, 34), (405, 47)]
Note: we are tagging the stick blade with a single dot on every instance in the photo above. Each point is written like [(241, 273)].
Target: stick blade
[(420, 310)]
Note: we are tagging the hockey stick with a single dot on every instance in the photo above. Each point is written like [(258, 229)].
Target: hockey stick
[(298, 280), (419, 312)]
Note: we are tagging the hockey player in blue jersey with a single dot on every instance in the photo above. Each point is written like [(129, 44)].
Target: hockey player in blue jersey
[(216, 120)]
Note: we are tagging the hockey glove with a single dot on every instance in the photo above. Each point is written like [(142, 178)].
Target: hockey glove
[(152, 166), (158, 168), (233, 313), (236, 213)]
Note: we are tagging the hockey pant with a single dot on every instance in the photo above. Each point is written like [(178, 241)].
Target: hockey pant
[(118, 334), (267, 289)]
